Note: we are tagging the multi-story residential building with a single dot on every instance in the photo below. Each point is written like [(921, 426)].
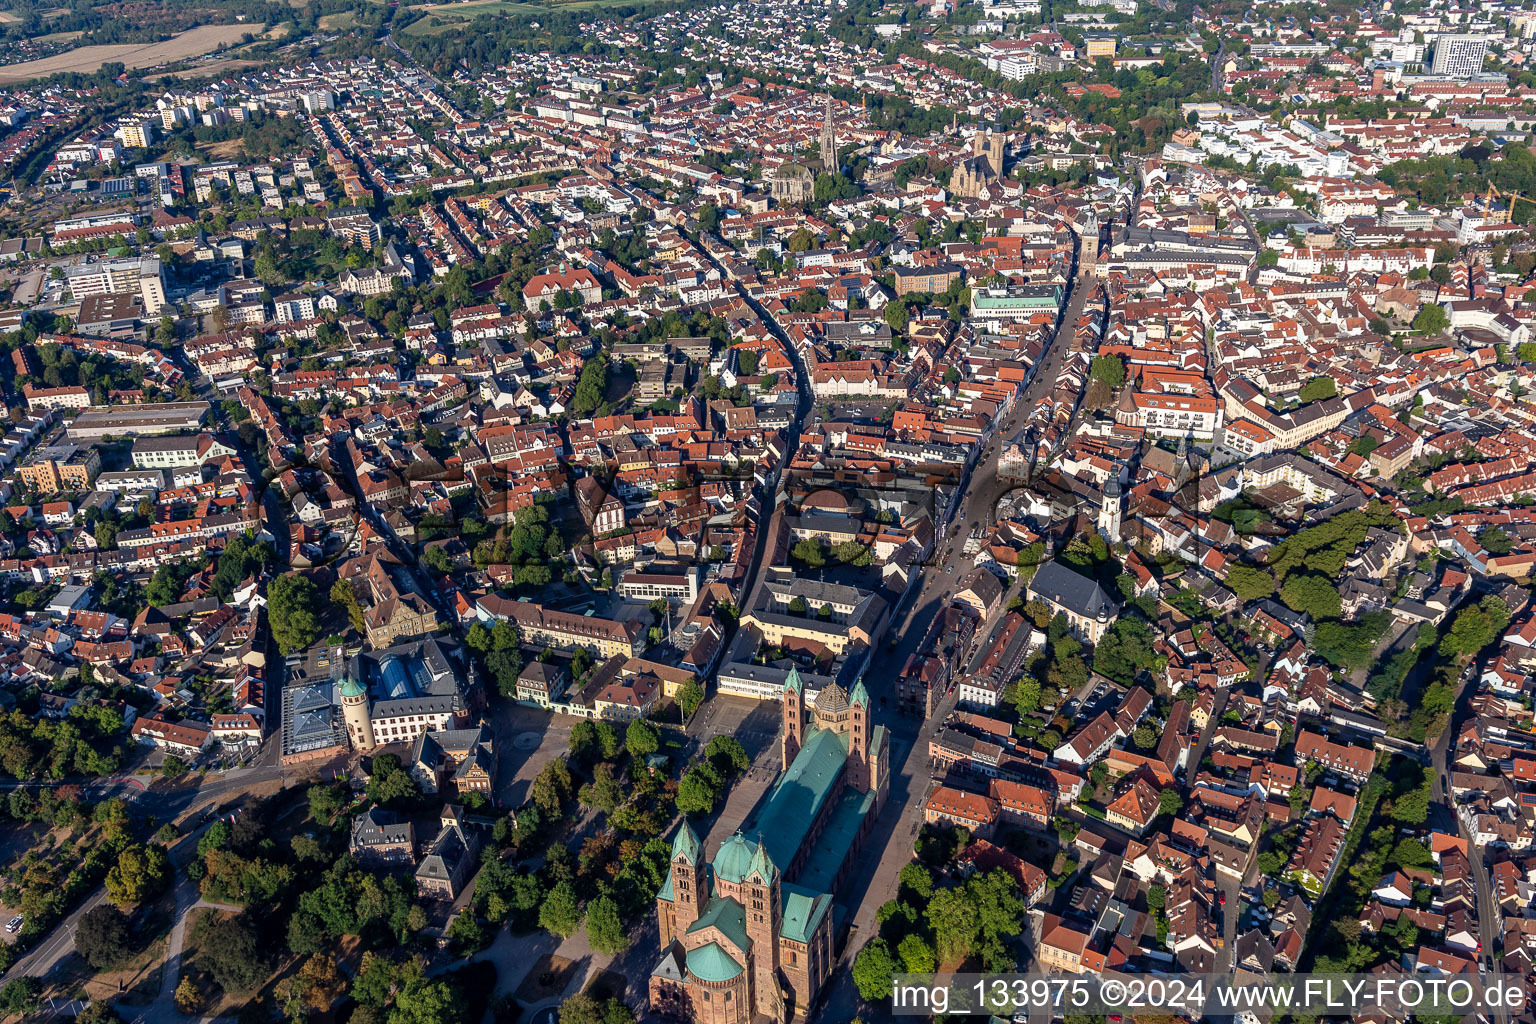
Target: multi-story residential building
[(61, 467), (1459, 56), (1356, 762), (56, 398)]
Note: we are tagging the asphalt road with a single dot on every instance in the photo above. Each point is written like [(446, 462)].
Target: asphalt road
[(1443, 816), (889, 846), (163, 805)]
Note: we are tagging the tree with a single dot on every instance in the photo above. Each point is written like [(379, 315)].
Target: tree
[(102, 936), (952, 919), (560, 913), (423, 1000), (642, 738), (187, 998), (1027, 696), (551, 788), (1109, 369), (478, 638), (1318, 388), (467, 934), (1169, 802), (1412, 807), (1314, 595), (324, 802), (391, 785), (727, 755), (603, 792), (98, 1012), (1250, 583), (916, 877), (1475, 627), (896, 316), (809, 551), (605, 929), (293, 610), (266, 268), (1495, 541), (322, 982), (140, 872), (233, 953), (689, 696), (698, 789), (582, 1008), (1431, 319), (873, 971), (344, 595), (916, 955)]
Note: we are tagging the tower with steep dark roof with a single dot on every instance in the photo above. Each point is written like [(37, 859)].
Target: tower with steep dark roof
[(1109, 508), (828, 139)]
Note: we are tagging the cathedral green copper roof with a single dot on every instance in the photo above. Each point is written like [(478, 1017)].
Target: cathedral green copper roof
[(711, 963), (729, 917), (685, 844), (796, 800)]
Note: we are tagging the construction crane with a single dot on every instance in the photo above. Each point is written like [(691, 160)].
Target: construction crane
[(1501, 216)]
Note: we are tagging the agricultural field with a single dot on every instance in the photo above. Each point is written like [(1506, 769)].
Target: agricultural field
[(443, 17), (191, 43)]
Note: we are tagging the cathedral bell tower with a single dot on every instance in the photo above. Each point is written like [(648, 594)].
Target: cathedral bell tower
[(793, 708), (687, 885), (762, 902)]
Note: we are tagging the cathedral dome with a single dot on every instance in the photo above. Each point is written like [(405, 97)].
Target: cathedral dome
[(734, 859)]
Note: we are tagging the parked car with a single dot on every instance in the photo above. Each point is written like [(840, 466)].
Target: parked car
[(14, 924)]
